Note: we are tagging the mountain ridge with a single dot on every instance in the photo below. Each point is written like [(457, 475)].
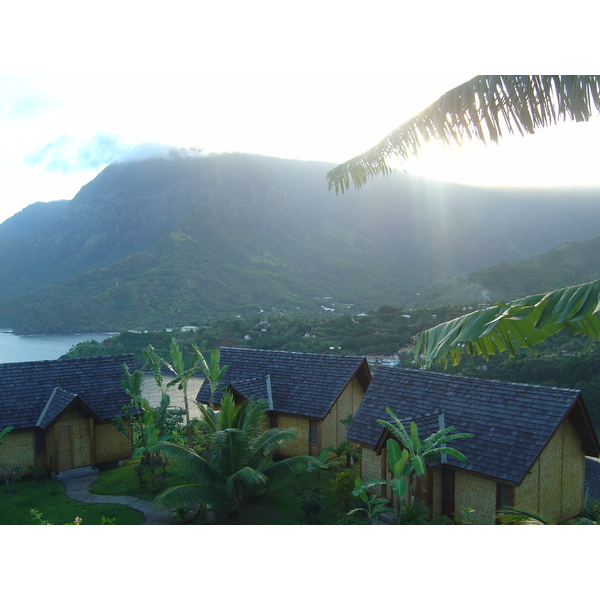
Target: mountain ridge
[(160, 242)]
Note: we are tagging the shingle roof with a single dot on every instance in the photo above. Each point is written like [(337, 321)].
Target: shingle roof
[(301, 383), (511, 422), (34, 393)]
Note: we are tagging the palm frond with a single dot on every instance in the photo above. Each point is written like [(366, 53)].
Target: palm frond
[(513, 514), (190, 495), (195, 466), (280, 471), (270, 440), (484, 108), (246, 477), (249, 416), (210, 419), (228, 451), (506, 326)]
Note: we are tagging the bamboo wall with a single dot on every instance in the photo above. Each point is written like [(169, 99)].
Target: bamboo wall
[(478, 493), (17, 449), (330, 431), (299, 445), (555, 485), (370, 467), (333, 432), (111, 445)]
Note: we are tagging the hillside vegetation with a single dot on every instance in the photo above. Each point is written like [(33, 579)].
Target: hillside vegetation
[(165, 242)]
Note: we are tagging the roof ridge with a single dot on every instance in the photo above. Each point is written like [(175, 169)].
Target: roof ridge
[(266, 350), (49, 403), (66, 360), (480, 379)]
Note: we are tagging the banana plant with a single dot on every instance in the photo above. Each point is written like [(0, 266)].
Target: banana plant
[(4, 433), (374, 505), (410, 462), (182, 376), (522, 323), (149, 454), (213, 371)]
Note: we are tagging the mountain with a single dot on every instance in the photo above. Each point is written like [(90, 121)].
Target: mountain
[(165, 242), (567, 264), (32, 218)]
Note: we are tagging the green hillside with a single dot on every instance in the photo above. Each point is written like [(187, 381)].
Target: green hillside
[(164, 242), (569, 263)]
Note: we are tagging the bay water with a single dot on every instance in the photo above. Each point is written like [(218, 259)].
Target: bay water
[(24, 348)]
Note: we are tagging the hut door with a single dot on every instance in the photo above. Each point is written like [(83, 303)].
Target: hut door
[(65, 448), (448, 493)]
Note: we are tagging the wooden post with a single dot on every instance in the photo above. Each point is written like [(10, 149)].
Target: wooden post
[(55, 447), (92, 443)]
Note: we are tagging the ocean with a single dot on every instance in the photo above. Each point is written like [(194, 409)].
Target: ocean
[(24, 348)]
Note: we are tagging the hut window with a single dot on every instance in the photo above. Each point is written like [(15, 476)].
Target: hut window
[(312, 432), (273, 421), (40, 442)]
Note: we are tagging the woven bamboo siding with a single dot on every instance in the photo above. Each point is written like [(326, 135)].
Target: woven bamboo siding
[(299, 445), (527, 495), (471, 491), (17, 449), (370, 467), (555, 486), (80, 435), (111, 444), (334, 432), (573, 473)]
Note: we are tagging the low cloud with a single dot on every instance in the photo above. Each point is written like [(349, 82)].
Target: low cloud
[(68, 154)]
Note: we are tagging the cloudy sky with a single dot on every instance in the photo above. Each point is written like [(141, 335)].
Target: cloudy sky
[(313, 80)]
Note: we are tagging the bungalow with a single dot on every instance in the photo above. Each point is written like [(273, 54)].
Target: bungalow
[(61, 412), (311, 393), (528, 449)]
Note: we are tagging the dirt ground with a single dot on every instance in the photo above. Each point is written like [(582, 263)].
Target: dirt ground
[(151, 392)]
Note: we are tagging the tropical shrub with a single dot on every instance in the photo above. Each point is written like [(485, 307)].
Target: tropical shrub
[(312, 503), (343, 484), (238, 459)]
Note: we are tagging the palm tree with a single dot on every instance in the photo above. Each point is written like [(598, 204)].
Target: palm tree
[(485, 108), (248, 416), (238, 460)]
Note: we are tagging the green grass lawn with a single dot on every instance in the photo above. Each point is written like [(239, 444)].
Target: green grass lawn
[(282, 506), (123, 481), (49, 499)]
